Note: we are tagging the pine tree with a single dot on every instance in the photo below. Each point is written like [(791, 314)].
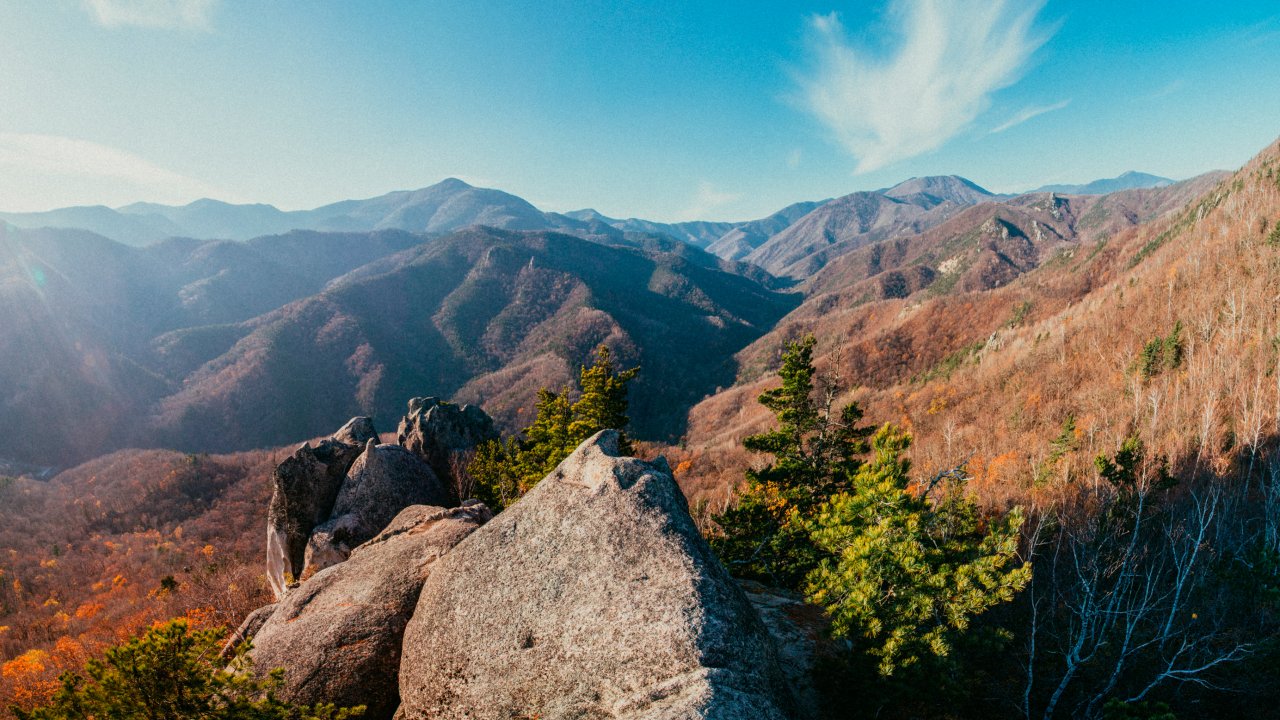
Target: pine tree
[(603, 403), (900, 570), (493, 474), (505, 470), (815, 450), (172, 672), (905, 573), (548, 440)]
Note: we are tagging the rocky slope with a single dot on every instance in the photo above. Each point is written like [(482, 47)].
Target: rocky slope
[(847, 223), (592, 596), (339, 634), (993, 371)]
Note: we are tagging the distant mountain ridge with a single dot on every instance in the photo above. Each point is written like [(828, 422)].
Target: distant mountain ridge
[(847, 223), (217, 344), (1131, 180), (449, 205), (446, 206), (182, 341), (795, 242)]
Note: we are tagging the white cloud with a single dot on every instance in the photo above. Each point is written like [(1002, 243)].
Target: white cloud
[(706, 200), (188, 14), (953, 55), (42, 171), (794, 158), (1026, 114)]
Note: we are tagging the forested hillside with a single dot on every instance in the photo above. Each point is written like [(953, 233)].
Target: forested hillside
[(221, 345)]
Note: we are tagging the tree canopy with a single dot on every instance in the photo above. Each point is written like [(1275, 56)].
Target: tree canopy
[(815, 449), (900, 568), (506, 469)]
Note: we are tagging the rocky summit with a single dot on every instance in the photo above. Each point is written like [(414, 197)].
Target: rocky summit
[(594, 596), (441, 432), (305, 487), (338, 635), (382, 481), (330, 498)]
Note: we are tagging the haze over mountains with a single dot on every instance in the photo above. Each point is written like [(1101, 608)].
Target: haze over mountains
[(453, 204), (1127, 181), (289, 322)]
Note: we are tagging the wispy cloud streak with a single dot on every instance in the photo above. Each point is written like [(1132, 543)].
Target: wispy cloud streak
[(951, 58), (707, 200), (1028, 113), (183, 14), (80, 170)]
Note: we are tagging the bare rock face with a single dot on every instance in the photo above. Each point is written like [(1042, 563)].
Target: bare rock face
[(382, 481), (248, 628), (357, 431), (437, 431), (592, 597), (801, 634), (338, 634), (306, 486)]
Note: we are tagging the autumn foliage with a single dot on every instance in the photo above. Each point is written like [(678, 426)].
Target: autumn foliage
[(106, 549)]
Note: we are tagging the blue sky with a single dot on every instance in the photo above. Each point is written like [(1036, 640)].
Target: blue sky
[(671, 111)]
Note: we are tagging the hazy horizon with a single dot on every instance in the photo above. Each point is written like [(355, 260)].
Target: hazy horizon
[(662, 112)]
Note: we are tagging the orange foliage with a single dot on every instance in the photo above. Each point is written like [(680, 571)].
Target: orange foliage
[(111, 553)]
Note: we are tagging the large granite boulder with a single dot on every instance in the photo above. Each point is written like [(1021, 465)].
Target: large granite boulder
[(305, 487), (439, 432), (382, 481), (594, 596), (338, 635)]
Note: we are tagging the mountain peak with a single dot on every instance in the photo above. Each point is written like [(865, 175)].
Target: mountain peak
[(453, 183), (954, 188)]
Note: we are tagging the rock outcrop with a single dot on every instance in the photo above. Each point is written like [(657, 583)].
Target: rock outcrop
[(439, 431), (801, 634), (248, 628), (382, 481), (592, 597), (306, 485), (357, 431), (338, 634)]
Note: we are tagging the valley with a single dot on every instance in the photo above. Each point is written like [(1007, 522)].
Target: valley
[(1005, 333)]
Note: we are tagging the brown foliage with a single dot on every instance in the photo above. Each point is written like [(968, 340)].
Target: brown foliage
[(121, 542), (992, 375)]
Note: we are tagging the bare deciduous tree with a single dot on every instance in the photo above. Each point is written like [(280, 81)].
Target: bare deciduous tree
[(1126, 598)]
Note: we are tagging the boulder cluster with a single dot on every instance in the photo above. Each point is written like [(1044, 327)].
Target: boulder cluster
[(594, 596)]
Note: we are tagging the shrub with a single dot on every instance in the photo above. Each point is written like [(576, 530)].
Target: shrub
[(171, 672)]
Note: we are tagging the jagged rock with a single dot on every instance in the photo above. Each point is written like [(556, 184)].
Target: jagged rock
[(338, 634), (381, 482), (357, 431), (592, 597), (437, 431), (306, 486), (801, 634)]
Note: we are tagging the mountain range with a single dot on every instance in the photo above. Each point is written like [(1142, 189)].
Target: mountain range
[(224, 344), (453, 204)]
